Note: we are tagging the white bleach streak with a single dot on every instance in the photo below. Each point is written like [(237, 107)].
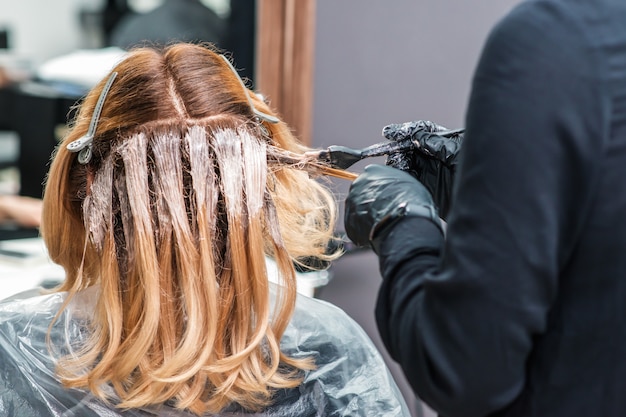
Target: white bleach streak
[(227, 146), (202, 172), (98, 204), (134, 154), (169, 182), (255, 171)]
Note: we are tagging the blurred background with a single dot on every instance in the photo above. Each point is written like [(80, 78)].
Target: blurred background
[(337, 71)]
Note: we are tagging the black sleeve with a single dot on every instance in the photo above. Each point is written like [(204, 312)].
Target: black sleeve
[(460, 315)]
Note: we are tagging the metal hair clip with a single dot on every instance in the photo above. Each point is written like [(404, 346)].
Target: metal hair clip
[(83, 145), (258, 113)]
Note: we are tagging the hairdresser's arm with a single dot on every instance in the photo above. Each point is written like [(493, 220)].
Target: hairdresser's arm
[(25, 211), (460, 316)]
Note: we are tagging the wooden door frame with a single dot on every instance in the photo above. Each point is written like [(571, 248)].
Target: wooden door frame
[(285, 57)]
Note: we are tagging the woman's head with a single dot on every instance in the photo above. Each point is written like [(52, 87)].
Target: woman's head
[(185, 193)]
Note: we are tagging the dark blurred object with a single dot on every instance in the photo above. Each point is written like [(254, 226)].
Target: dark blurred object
[(11, 232), (432, 160), (174, 20), (4, 38), (240, 38), (34, 110), (114, 11)]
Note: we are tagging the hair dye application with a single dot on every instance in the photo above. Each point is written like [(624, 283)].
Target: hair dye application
[(203, 178), (97, 207), (184, 196)]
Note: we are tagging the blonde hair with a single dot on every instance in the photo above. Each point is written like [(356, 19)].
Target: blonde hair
[(184, 196)]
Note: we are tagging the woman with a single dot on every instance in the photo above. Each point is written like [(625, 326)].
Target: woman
[(172, 188)]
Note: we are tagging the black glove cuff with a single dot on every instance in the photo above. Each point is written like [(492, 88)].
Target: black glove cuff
[(383, 227)]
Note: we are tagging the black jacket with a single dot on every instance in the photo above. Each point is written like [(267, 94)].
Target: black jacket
[(521, 311)]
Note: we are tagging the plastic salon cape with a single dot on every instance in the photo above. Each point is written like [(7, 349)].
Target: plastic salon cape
[(351, 378)]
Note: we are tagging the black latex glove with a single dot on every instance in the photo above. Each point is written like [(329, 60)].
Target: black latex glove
[(380, 196), (433, 162)]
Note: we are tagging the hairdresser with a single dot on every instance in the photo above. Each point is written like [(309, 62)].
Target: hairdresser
[(520, 310)]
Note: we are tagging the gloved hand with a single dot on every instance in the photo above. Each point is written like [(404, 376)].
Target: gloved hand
[(433, 162), (380, 196)]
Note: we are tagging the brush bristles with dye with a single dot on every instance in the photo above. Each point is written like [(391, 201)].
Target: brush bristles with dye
[(309, 162)]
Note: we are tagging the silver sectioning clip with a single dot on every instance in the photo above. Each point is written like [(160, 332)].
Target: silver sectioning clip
[(82, 145), (258, 113)]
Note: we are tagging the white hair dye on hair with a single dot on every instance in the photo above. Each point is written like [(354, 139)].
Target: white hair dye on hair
[(203, 178), (271, 216), (98, 204), (134, 194), (255, 171), (227, 145), (168, 184)]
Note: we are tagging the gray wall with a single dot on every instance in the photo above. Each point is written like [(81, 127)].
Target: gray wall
[(381, 62)]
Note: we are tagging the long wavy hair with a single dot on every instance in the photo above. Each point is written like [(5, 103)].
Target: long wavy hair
[(186, 194)]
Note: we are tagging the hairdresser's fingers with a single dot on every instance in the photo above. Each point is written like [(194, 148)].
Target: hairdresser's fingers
[(380, 196), (444, 149), (401, 160), (427, 140), (437, 176), (400, 131)]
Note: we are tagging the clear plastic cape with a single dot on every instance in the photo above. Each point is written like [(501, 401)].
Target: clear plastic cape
[(351, 378)]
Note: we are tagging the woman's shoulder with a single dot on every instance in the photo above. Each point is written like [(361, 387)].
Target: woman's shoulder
[(30, 304), (350, 371), (324, 320), (33, 318)]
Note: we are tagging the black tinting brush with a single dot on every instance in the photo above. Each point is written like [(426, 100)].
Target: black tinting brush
[(342, 157)]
